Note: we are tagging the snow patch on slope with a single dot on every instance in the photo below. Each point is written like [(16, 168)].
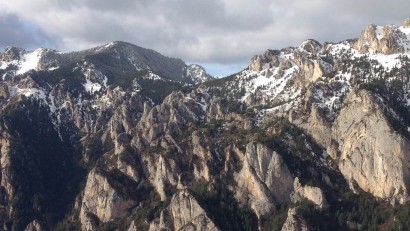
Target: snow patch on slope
[(29, 61), (95, 80)]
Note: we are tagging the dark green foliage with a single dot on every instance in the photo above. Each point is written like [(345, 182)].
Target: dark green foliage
[(125, 185), (154, 89), (69, 77), (158, 90), (93, 150), (401, 218), (126, 81), (222, 208), (149, 210), (233, 106), (218, 82), (212, 128), (227, 88), (275, 221), (44, 168)]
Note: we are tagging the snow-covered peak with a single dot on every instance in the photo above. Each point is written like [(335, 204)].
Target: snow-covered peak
[(197, 74)]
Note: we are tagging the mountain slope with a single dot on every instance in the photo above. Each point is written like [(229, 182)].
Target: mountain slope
[(118, 137)]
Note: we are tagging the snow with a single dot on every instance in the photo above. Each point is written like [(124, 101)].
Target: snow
[(261, 81), (379, 32), (387, 61), (28, 92), (152, 76), (52, 68), (52, 105), (98, 78), (91, 87), (3, 65), (405, 42), (30, 61), (110, 45)]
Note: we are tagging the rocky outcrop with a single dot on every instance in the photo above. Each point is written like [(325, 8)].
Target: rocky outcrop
[(101, 201), (163, 174), (369, 153), (163, 126), (372, 154), (168, 118), (201, 169), (312, 46), (311, 193), (34, 226), (380, 39), (406, 23), (264, 180), (7, 189), (183, 213), (295, 222), (269, 59), (320, 129), (12, 53), (312, 70)]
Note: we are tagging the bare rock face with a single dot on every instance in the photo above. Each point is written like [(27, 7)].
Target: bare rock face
[(201, 169), (269, 59), (406, 23), (6, 179), (162, 172), (4, 91), (12, 53), (183, 213), (162, 126), (372, 154), (381, 39), (264, 179), (295, 222), (34, 226), (256, 63), (369, 153), (311, 70), (311, 46), (101, 201), (168, 118), (313, 194), (320, 129)]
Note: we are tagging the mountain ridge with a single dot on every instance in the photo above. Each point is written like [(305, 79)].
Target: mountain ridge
[(313, 137)]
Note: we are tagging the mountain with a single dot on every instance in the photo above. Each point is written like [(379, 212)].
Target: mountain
[(118, 137)]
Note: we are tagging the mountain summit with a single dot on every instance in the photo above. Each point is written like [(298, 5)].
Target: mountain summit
[(119, 137), (112, 59)]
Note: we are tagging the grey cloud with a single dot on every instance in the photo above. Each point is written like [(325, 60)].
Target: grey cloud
[(16, 32), (214, 31)]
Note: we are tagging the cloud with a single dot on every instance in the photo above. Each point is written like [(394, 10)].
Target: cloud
[(17, 32), (224, 32)]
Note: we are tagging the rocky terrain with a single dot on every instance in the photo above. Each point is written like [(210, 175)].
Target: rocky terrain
[(119, 137)]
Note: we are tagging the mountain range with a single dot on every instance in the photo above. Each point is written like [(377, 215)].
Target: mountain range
[(119, 137)]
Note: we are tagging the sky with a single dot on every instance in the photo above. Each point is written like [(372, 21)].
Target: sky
[(221, 35)]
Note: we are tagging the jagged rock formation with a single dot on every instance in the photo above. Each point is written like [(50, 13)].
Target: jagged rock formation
[(134, 144), (186, 214), (383, 40), (313, 194), (34, 226), (295, 222), (102, 201), (372, 154), (264, 178)]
